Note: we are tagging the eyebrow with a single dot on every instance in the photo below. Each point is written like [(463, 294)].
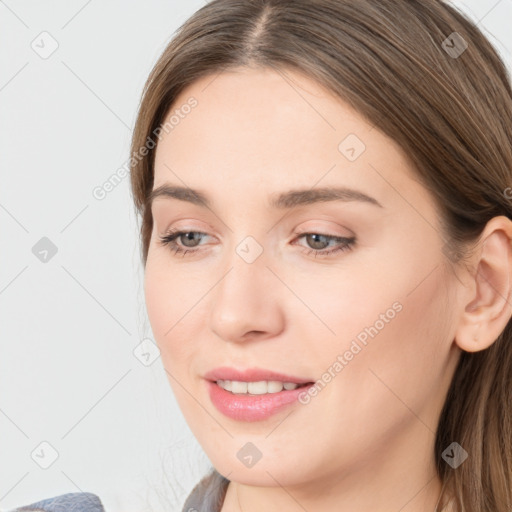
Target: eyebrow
[(284, 200)]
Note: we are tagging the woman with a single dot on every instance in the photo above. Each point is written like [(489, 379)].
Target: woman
[(324, 188), (387, 300)]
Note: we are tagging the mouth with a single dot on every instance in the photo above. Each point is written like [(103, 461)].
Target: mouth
[(261, 387), (247, 406), (239, 378), (255, 394)]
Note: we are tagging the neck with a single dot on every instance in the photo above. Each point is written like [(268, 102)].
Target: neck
[(245, 498)]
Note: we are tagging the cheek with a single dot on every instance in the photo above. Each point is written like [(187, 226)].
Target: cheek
[(399, 365), (393, 319), (166, 304), (157, 300)]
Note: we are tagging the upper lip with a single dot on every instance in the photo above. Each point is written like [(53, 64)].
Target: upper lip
[(251, 375)]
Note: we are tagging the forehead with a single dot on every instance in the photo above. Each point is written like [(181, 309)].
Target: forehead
[(278, 108), (275, 127)]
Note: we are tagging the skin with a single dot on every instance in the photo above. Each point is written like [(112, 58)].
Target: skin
[(366, 442)]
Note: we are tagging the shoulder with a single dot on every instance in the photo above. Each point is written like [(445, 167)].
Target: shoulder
[(72, 502)]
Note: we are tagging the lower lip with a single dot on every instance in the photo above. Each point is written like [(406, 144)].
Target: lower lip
[(252, 407)]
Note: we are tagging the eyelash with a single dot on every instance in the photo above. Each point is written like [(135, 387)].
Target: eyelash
[(346, 243)]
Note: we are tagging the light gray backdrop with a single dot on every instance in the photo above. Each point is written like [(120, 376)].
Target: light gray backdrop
[(81, 407)]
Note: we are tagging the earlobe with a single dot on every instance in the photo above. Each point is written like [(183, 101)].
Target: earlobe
[(487, 301)]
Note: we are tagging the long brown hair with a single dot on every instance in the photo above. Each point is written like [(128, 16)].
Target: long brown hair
[(405, 67)]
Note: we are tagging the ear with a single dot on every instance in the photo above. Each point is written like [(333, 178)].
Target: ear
[(487, 299)]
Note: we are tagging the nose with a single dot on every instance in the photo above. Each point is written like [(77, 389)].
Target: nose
[(246, 302)]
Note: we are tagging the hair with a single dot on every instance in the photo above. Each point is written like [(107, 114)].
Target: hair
[(451, 114)]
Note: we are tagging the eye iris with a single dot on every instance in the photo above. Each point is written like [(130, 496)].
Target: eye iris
[(189, 236), (316, 241)]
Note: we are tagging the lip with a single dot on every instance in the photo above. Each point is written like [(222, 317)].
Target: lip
[(248, 407), (252, 407), (252, 375)]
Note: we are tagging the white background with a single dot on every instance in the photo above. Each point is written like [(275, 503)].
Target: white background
[(68, 375)]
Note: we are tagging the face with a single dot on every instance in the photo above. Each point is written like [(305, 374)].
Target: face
[(348, 292)]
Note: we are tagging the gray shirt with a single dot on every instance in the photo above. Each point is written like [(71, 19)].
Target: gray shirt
[(207, 496)]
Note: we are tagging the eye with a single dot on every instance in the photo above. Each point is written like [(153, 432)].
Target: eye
[(169, 239), (344, 244), (189, 239)]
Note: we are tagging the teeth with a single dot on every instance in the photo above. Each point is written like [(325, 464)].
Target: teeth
[(238, 387), (256, 388)]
